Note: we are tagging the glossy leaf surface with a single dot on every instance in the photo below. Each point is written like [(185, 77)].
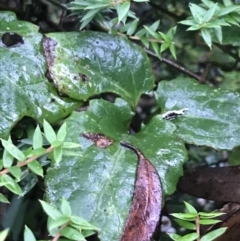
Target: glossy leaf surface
[(99, 183), (25, 91), (89, 63), (211, 118)]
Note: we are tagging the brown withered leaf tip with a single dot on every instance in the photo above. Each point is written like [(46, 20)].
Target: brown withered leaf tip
[(145, 211), (99, 139)]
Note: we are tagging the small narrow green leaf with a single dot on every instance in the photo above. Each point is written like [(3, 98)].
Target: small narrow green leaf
[(90, 14), (97, 6), (190, 237), (59, 222), (16, 172), (28, 234), (3, 234), (174, 236), (72, 234), (56, 143), (189, 22), (36, 152), (57, 154), (36, 167), (156, 49), (153, 33), (50, 210), (13, 150), (65, 208), (213, 234), (190, 208), (49, 132), (83, 223), (185, 224), (209, 221), (145, 42), (7, 159), (70, 145), (209, 14), (132, 27), (185, 216), (155, 26), (218, 33), (37, 138), (198, 12), (173, 50), (122, 10), (210, 215), (62, 132), (11, 184), (207, 37), (3, 199), (164, 46)]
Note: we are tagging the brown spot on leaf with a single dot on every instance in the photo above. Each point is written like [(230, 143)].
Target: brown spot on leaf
[(49, 46), (99, 139), (12, 39), (145, 212)]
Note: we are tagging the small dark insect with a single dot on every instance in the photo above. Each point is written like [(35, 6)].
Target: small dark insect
[(83, 77), (99, 139), (172, 114), (11, 39)]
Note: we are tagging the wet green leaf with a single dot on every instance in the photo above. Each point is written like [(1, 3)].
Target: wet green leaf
[(13, 150), (7, 159), (25, 91), (3, 199), (186, 224), (28, 234), (3, 234), (72, 233), (90, 63), (213, 234), (211, 118), (35, 167), (50, 210), (99, 183), (16, 172), (11, 184), (49, 132), (37, 138), (65, 208)]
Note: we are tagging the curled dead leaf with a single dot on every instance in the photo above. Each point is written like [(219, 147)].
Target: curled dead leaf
[(145, 211)]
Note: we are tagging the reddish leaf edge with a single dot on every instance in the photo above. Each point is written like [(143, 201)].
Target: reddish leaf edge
[(145, 211)]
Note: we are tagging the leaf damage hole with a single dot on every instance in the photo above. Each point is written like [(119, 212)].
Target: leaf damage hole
[(12, 39), (99, 139)]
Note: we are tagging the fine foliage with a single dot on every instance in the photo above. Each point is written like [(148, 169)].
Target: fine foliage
[(74, 144)]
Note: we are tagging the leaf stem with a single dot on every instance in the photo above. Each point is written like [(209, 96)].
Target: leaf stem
[(24, 163), (198, 227), (58, 235)]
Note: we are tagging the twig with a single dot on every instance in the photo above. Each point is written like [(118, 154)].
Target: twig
[(58, 235), (24, 163), (176, 66)]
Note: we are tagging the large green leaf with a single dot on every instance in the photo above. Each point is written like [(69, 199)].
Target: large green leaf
[(89, 63), (99, 183), (212, 118), (25, 91)]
